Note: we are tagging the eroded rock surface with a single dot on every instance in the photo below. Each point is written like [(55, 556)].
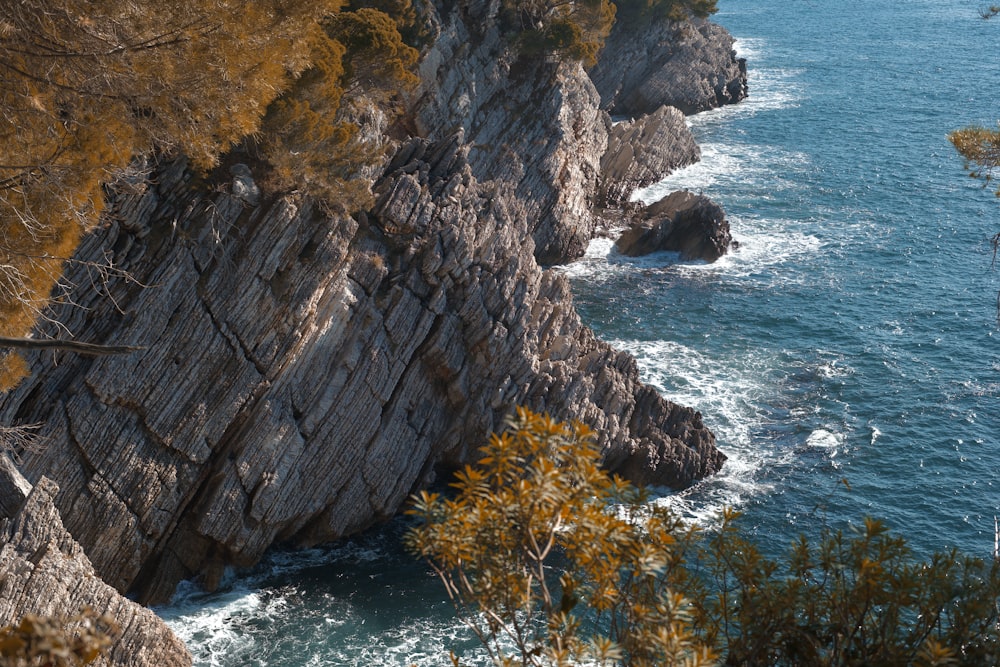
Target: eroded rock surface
[(690, 224), (644, 151), (304, 371), (44, 571), (688, 65), (531, 123)]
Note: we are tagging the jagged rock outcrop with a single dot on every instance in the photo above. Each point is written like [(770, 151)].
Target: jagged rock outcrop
[(533, 124), (304, 371), (690, 224), (689, 65), (645, 151), (45, 572)]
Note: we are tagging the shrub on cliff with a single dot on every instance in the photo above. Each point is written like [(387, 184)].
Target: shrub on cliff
[(86, 87), (571, 30), (551, 561), (636, 11), (311, 136)]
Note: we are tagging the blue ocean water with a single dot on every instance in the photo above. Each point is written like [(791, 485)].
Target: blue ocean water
[(851, 337)]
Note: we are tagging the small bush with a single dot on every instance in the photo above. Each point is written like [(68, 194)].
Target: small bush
[(552, 561)]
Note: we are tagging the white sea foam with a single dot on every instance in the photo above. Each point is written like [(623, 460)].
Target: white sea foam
[(761, 254), (749, 48), (731, 394), (764, 248), (214, 627), (825, 440), (731, 164), (769, 89)]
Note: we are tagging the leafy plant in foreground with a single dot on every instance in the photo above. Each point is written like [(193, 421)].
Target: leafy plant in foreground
[(553, 561), (540, 565), (57, 642)]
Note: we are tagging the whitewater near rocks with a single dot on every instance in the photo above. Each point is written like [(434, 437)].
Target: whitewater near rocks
[(304, 371)]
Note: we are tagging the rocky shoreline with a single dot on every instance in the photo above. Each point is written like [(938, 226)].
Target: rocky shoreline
[(303, 371)]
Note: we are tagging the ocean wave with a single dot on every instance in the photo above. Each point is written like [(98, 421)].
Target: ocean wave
[(731, 394), (214, 627), (760, 404), (764, 247), (734, 165)]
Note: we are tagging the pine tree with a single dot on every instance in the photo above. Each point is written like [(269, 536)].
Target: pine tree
[(85, 87)]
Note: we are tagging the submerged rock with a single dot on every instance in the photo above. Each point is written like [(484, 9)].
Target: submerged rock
[(684, 222)]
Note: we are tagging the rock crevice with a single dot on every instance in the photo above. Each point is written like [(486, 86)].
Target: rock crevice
[(303, 371)]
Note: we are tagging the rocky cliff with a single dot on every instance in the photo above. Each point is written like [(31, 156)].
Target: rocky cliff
[(534, 125), (303, 371), (689, 65), (45, 572)]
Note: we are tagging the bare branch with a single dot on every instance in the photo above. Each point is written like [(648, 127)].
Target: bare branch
[(86, 349)]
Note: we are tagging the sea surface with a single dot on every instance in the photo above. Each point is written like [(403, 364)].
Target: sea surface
[(847, 355)]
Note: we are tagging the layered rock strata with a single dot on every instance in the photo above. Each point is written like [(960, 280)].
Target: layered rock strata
[(304, 371), (642, 152), (532, 124), (689, 65), (45, 572)]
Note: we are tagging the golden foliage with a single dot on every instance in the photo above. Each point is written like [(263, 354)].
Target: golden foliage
[(538, 504), (574, 30), (980, 147), (57, 642), (855, 599), (311, 135), (85, 87), (658, 10), (552, 561)]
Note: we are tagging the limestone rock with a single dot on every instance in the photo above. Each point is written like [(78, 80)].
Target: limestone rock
[(14, 488), (690, 65), (44, 571), (304, 372), (532, 124), (691, 224), (643, 152)]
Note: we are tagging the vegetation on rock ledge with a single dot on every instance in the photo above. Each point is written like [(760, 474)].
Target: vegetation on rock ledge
[(85, 88)]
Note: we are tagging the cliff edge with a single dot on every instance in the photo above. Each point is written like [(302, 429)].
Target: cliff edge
[(43, 571), (303, 371)]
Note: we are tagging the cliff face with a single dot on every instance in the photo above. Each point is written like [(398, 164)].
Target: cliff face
[(642, 151), (534, 125), (304, 371), (46, 572), (691, 66)]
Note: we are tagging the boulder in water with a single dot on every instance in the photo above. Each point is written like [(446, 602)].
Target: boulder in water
[(691, 224)]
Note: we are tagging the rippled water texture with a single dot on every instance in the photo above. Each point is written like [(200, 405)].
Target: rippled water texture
[(851, 337)]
